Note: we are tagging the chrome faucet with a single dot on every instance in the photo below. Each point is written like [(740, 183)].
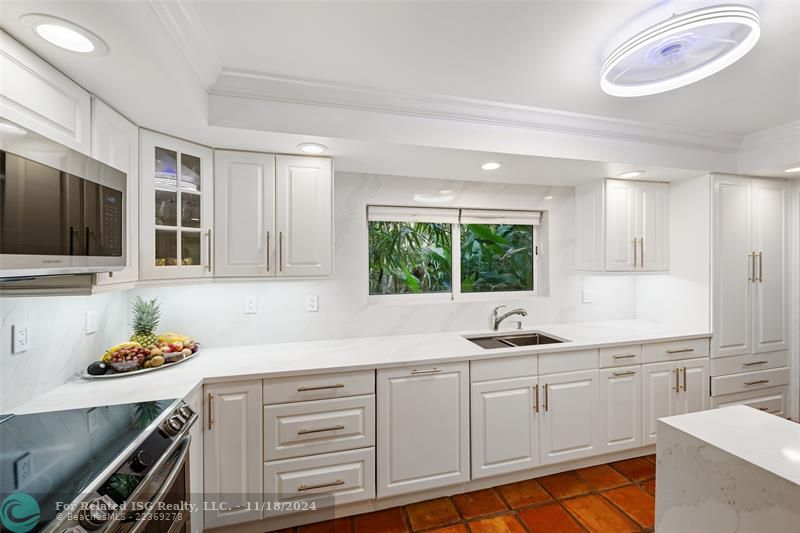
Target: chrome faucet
[(497, 319)]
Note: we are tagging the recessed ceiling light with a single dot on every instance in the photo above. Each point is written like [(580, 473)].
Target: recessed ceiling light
[(445, 191), (491, 165), (792, 170), (66, 35), (548, 197), (312, 148), (8, 127), (631, 174), (680, 49), (433, 198)]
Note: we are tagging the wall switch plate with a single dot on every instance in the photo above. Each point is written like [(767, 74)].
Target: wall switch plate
[(251, 305), (588, 296), (91, 322), (312, 304), (21, 333), (23, 471)]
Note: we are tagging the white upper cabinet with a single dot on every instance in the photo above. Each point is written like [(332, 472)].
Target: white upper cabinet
[(37, 96), (750, 266), (304, 216), (622, 226), (115, 142), (244, 214), (176, 199)]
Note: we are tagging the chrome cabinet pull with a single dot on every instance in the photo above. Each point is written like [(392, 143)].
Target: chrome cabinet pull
[(210, 403), (752, 273), (303, 486), (682, 350), (677, 386), (546, 399), (757, 382), (320, 430), (753, 363), (763, 408), (535, 389), (760, 267), (684, 380), (431, 371), (624, 356), (635, 258), (280, 251), (268, 251), (208, 240), (628, 373), (321, 387)]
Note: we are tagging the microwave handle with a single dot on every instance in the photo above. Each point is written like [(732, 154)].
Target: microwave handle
[(86, 236), (71, 240)]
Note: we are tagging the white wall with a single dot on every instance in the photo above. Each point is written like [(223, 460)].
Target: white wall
[(214, 314), (682, 297)]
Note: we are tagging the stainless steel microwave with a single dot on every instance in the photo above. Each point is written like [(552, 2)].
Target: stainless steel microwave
[(61, 212)]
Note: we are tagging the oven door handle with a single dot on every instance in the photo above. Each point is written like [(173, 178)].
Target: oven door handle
[(180, 464)]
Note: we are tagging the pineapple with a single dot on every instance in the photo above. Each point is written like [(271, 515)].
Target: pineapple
[(146, 314)]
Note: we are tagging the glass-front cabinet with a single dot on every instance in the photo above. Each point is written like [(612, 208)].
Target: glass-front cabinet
[(176, 208)]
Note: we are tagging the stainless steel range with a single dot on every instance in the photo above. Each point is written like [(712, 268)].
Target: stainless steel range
[(120, 468)]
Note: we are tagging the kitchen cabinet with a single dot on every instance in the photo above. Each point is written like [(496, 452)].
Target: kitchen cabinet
[(423, 427), (176, 208), (672, 388), (304, 189), (244, 214), (38, 97), (569, 417), (622, 226), (196, 460), (115, 142), (232, 452), (621, 407), (505, 426)]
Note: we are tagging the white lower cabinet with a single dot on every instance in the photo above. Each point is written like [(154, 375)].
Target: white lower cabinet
[(621, 407), (505, 426), (673, 388), (423, 427), (773, 401), (569, 419), (232, 452)]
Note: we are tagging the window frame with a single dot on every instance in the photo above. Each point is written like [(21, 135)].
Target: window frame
[(455, 294)]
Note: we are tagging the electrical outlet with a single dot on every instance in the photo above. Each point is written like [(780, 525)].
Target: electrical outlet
[(92, 420), (21, 333), (312, 304), (588, 296), (91, 322), (23, 471), (251, 305)]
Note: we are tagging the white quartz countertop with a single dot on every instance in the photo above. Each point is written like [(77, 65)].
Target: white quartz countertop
[(761, 439), (272, 360)]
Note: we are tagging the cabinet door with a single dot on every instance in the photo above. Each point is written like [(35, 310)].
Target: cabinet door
[(244, 214), (731, 285), (115, 142), (176, 206), (196, 459), (660, 396), (232, 452), (770, 290), (652, 221), (423, 427), (620, 225), (693, 395), (621, 407), (569, 422), (303, 216), (505, 426), (589, 234)]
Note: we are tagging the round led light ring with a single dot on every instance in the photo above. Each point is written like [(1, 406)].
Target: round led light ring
[(37, 19), (741, 15)]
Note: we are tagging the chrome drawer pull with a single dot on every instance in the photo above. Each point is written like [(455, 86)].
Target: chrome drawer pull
[(755, 363), (625, 356), (431, 371), (320, 430), (758, 382), (321, 387), (303, 486), (628, 373), (682, 350), (535, 389)]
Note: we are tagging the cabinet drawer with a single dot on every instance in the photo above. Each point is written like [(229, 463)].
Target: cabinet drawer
[(772, 400), (672, 351), (621, 355), (505, 368), (319, 386), (722, 366), (319, 426), (749, 381), (348, 476), (550, 363)]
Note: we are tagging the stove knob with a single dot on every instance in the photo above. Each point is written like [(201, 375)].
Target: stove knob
[(141, 461), (96, 514), (173, 425), (185, 412)]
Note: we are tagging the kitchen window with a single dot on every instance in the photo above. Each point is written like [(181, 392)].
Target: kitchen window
[(443, 253)]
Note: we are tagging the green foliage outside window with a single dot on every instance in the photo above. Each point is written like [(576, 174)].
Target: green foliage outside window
[(496, 257)]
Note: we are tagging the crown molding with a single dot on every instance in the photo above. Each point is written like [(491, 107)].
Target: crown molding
[(779, 134), (306, 91)]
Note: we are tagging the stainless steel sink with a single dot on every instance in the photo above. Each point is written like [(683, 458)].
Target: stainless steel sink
[(514, 341)]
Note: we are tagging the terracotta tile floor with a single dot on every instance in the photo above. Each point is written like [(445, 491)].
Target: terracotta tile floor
[(613, 498)]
